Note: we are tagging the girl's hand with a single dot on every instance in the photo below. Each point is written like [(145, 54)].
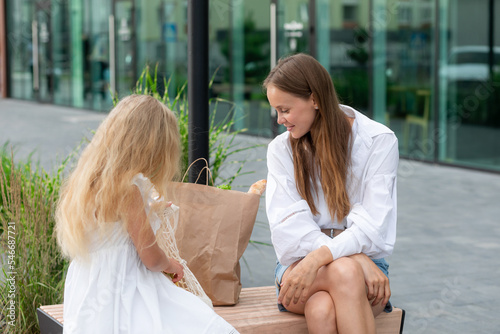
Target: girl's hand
[(159, 206), (176, 269), (166, 204), (376, 282), (301, 276)]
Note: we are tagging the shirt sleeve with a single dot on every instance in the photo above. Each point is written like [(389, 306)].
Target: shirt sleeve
[(371, 223), (294, 232)]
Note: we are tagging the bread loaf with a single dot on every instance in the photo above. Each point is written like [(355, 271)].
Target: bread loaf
[(258, 187)]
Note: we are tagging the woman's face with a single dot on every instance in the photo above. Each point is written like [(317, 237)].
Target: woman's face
[(296, 113)]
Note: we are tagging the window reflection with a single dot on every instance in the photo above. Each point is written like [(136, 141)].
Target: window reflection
[(239, 61), (409, 76), (469, 83), (432, 77)]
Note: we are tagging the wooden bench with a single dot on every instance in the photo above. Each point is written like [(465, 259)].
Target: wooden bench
[(256, 312)]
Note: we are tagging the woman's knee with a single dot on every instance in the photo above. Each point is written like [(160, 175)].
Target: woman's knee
[(346, 273)]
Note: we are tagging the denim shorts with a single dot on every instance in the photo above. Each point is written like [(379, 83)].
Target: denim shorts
[(280, 270)]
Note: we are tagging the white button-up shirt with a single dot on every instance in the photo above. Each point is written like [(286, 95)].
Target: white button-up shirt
[(371, 223)]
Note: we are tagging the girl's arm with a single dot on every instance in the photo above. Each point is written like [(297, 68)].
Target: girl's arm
[(151, 255)]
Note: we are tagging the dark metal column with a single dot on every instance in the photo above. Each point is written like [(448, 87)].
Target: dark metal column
[(198, 121), (313, 47), (491, 38)]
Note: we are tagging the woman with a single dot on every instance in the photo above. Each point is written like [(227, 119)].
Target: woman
[(331, 202)]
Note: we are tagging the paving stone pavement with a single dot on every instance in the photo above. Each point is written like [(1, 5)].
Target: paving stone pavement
[(445, 268)]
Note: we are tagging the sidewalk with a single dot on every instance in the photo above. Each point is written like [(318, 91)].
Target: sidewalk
[(445, 268)]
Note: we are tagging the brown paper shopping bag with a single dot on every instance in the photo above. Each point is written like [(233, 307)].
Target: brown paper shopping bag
[(214, 229)]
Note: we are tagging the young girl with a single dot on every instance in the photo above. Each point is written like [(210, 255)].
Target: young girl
[(105, 225), (331, 202)]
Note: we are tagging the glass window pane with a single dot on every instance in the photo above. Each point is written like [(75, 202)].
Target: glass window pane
[(403, 74), (79, 45), (239, 51), (125, 44), (343, 46), (95, 40), (20, 48), (469, 80), (61, 53), (293, 27), (160, 37)]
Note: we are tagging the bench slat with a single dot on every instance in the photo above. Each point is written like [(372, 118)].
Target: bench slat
[(256, 312)]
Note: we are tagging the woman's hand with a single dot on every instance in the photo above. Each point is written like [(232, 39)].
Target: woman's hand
[(176, 269), (298, 281), (376, 282)]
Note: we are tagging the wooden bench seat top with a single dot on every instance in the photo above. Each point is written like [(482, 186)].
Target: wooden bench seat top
[(257, 312)]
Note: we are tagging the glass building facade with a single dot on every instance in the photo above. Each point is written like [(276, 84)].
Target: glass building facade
[(429, 69)]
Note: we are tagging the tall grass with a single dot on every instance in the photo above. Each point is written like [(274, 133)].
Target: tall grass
[(222, 133), (32, 267)]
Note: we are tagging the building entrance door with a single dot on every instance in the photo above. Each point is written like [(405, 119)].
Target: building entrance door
[(293, 27), (125, 46), (289, 28), (43, 74), (51, 65)]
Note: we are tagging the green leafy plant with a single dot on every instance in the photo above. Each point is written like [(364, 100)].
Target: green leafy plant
[(33, 268), (221, 133)]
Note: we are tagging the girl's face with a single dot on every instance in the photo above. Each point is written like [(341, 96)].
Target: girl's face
[(296, 113)]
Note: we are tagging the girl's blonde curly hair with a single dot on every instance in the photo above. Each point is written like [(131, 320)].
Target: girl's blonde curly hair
[(140, 135)]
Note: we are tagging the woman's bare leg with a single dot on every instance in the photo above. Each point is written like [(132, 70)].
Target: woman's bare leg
[(343, 280), (320, 314)]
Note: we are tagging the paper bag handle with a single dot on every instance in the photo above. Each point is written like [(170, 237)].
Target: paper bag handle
[(201, 171)]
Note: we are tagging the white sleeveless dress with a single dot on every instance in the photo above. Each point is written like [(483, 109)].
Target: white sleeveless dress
[(115, 293)]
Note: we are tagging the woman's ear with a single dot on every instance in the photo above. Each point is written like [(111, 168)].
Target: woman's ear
[(313, 100)]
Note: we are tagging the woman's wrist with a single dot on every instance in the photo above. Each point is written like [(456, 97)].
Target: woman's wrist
[(321, 256), (360, 257)]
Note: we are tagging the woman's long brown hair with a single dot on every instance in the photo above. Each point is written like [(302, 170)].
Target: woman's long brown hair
[(325, 150)]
